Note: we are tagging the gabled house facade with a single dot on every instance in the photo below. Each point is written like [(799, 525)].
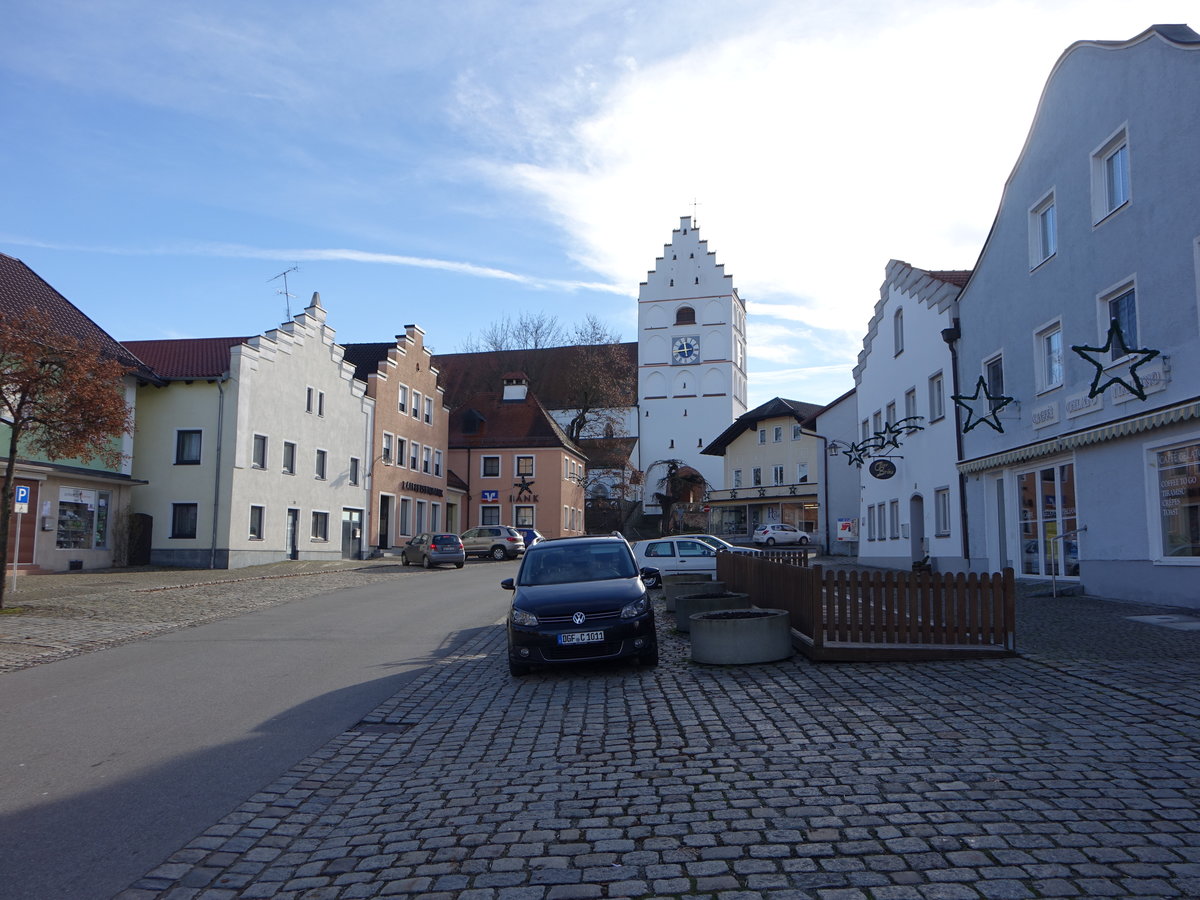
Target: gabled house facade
[(515, 463), (773, 463), (257, 449), (409, 492), (905, 446), (1079, 353), (77, 509)]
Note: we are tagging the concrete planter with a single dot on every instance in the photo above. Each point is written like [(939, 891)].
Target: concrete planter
[(689, 584), (741, 637), (686, 605)]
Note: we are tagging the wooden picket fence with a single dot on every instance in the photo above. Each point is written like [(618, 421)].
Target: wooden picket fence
[(881, 615)]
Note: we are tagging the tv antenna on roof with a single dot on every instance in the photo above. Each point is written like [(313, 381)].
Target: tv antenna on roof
[(287, 298)]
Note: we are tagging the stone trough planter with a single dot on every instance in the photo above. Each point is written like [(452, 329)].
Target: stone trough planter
[(688, 584), (709, 601), (737, 637)]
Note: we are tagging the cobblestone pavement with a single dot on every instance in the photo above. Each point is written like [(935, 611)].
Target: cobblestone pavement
[(1072, 771)]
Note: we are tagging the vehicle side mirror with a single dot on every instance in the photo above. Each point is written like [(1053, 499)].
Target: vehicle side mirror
[(648, 572), (508, 584)]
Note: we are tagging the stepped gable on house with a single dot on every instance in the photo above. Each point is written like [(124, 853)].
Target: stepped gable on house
[(366, 357), (187, 357), (22, 289), (488, 419), (934, 288), (803, 413), (463, 374)]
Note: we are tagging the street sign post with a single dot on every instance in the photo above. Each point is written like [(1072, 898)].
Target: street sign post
[(20, 506)]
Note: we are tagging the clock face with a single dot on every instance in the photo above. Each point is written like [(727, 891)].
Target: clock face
[(685, 350)]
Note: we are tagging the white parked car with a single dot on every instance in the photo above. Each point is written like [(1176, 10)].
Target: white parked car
[(720, 544), (779, 534), (678, 555)]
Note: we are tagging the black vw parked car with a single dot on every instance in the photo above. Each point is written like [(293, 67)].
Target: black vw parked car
[(579, 599)]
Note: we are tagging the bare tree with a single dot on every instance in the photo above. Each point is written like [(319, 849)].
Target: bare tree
[(530, 331), (61, 397)]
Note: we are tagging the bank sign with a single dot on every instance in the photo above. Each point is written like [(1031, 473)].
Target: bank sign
[(489, 496)]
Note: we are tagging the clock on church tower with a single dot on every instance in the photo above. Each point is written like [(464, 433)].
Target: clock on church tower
[(691, 358)]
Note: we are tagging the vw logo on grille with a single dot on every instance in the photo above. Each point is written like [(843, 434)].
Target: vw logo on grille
[(578, 618)]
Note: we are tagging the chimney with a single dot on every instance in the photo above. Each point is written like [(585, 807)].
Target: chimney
[(516, 387)]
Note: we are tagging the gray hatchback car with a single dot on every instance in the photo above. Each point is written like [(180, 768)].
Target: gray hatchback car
[(431, 550)]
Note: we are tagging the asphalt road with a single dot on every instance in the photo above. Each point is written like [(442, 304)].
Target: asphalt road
[(113, 760)]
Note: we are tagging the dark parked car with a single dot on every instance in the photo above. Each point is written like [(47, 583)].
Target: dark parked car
[(496, 541), (579, 599), (531, 536), (431, 550)]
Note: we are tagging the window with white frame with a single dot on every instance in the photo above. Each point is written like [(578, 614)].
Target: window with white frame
[(523, 516), (435, 517), (416, 404), (387, 449), (877, 421), (489, 515), (258, 455), (414, 455), (405, 515), (1043, 231), (937, 397), (320, 403), (866, 429), (319, 465), (437, 462), (941, 512), (427, 460), (801, 473), (419, 524), (1120, 307), (910, 403), (797, 431), (890, 415), (993, 377), (402, 398), (401, 449), (762, 435), (898, 332), (256, 523), (737, 478), (894, 510), (524, 466), (489, 466), (320, 526), (870, 518), (354, 470), (756, 476), (777, 475), (309, 393), (289, 458), (777, 433), (1110, 176), (1049, 348), (428, 410)]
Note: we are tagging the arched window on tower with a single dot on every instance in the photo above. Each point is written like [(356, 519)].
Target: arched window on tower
[(685, 315)]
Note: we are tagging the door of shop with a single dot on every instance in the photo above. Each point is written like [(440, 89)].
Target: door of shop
[(1048, 521)]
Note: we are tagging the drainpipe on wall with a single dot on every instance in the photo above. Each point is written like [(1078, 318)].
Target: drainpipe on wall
[(950, 336), (825, 490), (212, 549)]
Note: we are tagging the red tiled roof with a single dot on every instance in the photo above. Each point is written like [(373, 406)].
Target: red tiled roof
[(487, 420), (463, 374), (956, 277), (22, 289), (187, 358)]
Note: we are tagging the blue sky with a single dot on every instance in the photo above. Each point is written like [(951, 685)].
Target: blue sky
[(446, 163)]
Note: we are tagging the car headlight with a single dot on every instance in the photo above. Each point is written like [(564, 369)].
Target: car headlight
[(636, 608), (520, 617)]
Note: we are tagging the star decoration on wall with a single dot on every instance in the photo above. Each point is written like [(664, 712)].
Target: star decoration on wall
[(994, 404), (1123, 372), (856, 454)]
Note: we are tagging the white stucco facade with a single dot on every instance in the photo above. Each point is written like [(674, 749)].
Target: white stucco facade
[(281, 460), (905, 372), (691, 358)]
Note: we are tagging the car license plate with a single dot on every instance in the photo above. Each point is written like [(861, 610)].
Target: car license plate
[(581, 637)]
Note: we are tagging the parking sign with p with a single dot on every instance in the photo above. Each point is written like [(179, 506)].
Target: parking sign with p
[(21, 499)]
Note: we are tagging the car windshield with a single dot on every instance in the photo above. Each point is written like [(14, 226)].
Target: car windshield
[(715, 542), (563, 563)]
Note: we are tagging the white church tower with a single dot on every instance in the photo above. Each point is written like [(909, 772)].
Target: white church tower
[(691, 358)]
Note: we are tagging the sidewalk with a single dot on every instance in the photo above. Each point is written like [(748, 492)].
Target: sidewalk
[(1072, 771)]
